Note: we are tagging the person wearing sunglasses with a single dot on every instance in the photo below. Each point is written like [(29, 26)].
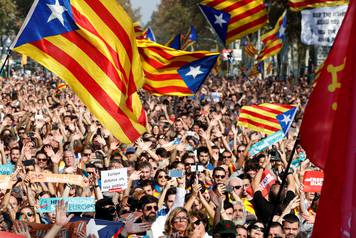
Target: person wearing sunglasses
[(198, 226), (177, 223), (160, 180), (256, 229), (149, 208), (27, 214)]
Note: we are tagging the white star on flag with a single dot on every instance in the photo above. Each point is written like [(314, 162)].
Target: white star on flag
[(282, 31), (219, 20), (93, 228), (194, 71), (57, 12), (286, 119)]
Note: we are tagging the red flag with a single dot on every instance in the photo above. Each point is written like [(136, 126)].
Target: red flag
[(328, 134)]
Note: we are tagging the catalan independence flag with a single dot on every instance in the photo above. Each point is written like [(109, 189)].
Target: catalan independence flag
[(273, 40), (298, 5), (174, 72), (91, 45), (249, 48), (190, 38), (264, 117), (175, 42), (233, 19)]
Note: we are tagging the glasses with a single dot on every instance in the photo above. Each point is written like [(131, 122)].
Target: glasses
[(189, 164), (219, 176), (149, 208), (163, 176), (43, 160), (29, 214), (258, 228), (180, 219), (227, 156), (197, 222), (87, 154), (237, 187)]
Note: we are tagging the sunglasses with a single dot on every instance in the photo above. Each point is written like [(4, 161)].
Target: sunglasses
[(237, 187), (29, 214), (258, 228), (197, 222), (163, 176), (87, 154), (240, 151), (149, 208), (188, 164), (219, 176), (180, 219), (43, 160), (224, 156)]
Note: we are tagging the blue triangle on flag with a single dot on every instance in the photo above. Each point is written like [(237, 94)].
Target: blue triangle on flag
[(150, 35), (194, 73), (219, 20), (285, 119), (176, 44), (48, 18)]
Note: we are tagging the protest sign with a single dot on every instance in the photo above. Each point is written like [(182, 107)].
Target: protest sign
[(114, 180), (265, 143), (5, 181), (320, 25), (266, 183), (75, 204), (313, 181), (57, 178), (7, 169)]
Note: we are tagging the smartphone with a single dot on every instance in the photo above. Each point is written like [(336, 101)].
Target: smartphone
[(197, 168), (28, 162), (175, 173)]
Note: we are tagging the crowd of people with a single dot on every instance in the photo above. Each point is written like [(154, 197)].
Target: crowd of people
[(189, 175)]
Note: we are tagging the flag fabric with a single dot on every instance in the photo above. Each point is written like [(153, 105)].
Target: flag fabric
[(77, 229), (91, 46), (273, 40), (328, 134), (175, 42), (149, 34), (61, 86), (298, 5), (172, 72), (233, 19), (190, 38), (254, 72), (101, 228), (23, 60), (250, 49), (263, 117), (139, 32)]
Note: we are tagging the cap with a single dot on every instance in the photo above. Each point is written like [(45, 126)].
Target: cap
[(225, 227), (130, 150)]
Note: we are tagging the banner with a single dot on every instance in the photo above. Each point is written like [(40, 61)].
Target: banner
[(113, 180), (75, 204), (320, 25), (266, 183), (7, 169), (313, 181), (57, 178), (265, 143)]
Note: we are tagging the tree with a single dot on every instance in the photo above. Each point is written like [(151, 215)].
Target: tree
[(135, 14)]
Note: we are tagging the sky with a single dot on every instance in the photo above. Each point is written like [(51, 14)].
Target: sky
[(147, 7)]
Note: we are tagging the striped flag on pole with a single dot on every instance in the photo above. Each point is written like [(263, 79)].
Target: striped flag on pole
[(263, 117), (233, 19), (298, 5), (91, 45)]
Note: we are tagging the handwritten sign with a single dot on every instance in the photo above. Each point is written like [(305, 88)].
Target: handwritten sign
[(75, 204), (114, 180), (7, 169), (320, 25), (313, 181), (57, 178)]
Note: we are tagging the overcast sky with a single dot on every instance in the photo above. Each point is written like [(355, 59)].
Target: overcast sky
[(147, 7)]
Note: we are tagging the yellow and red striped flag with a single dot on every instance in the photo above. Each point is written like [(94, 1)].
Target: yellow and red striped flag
[(262, 117), (298, 5), (174, 72), (273, 40), (250, 49), (91, 45), (233, 19)]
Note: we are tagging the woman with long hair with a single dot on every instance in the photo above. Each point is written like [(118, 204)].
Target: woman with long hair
[(177, 223)]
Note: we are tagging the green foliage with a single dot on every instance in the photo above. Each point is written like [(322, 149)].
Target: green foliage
[(135, 14), (8, 16)]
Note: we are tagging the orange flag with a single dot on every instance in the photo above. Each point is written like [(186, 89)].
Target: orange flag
[(328, 134)]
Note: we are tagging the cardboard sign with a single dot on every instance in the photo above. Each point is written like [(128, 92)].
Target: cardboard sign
[(113, 180), (7, 169), (57, 178), (75, 204), (313, 181), (266, 183)]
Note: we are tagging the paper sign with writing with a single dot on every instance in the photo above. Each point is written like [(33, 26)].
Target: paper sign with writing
[(75, 204), (7, 169), (113, 180), (313, 181), (266, 183), (57, 178)]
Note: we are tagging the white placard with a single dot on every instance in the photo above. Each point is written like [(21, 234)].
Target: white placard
[(320, 25), (113, 180)]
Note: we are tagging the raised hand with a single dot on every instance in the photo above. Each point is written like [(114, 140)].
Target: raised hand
[(61, 213), (21, 228)]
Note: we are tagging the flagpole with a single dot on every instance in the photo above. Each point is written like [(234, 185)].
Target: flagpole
[(6, 59), (284, 181)]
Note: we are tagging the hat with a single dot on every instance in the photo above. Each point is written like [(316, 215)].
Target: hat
[(130, 150), (225, 227)]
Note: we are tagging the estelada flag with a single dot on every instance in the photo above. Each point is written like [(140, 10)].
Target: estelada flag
[(91, 45), (313, 181), (298, 5), (328, 134)]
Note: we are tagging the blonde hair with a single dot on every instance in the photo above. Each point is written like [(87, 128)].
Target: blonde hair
[(168, 228)]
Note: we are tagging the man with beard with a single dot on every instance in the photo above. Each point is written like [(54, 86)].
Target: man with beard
[(291, 225), (149, 208)]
